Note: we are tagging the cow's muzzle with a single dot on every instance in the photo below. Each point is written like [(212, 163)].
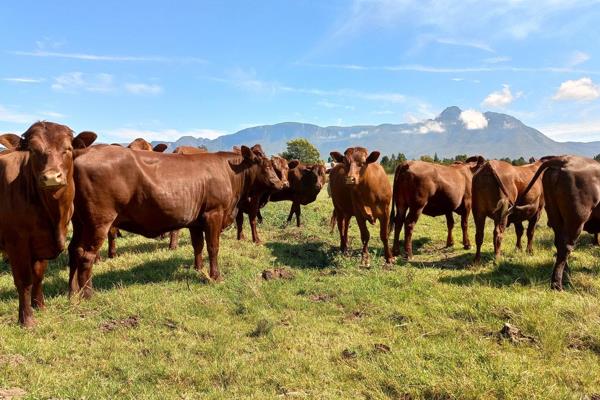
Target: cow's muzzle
[(52, 180), (351, 180)]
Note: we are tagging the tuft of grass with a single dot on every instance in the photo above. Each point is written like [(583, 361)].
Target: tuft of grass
[(424, 329)]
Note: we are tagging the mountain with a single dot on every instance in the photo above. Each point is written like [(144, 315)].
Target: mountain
[(453, 132)]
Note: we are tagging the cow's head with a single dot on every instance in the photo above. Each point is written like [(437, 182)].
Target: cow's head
[(282, 167), (265, 175), (355, 160), (315, 176), (51, 148), (10, 141), (142, 144)]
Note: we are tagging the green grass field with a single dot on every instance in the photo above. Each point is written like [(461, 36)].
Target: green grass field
[(428, 329)]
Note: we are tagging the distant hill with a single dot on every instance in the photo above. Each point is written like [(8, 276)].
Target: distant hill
[(452, 132)]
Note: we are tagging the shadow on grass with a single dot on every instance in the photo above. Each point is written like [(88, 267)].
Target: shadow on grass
[(505, 274), (302, 255), (147, 246), (461, 261)]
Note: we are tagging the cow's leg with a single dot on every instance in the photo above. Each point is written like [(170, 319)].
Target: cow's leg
[(595, 240), (254, 208), (197, 236), (398, 223), (173, 239), (259, 217), (298, 212), (290, 215), (364, 238), (239, 223), (82, 254), (112, 246), (499, 227), (37, 295), (409, 227), (384, 232), (479, 232), (450, 226), (519, 231), (531, 231), (342, 223), (213, 225), (464, 225), (565, 243), (22, 268)]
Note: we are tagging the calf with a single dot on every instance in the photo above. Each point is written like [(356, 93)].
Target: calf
[(113, 232), (36, 204), (360, 188), (496, 187), (431, 189), (571, 186), (150, 193), (306, 181)]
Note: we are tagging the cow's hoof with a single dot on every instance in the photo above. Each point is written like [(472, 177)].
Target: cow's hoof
[(467, 247), (448, 245), (556, 286), (27, 322)]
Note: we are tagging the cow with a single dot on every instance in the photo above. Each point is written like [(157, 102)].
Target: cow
[(496, 187), (253, 204), (432, 189), (147, 193), (113, 232), (306, 181), (36, 204), (360, 188), (571, 186)]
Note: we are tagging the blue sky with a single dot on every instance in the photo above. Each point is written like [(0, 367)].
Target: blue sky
[(164, 69)]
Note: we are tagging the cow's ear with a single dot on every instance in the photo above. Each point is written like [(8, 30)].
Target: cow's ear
[(373, 157), (159, 148), (478, 160), (10, 140), (337, 156), (293, 164), (84, 139), (248, 154)]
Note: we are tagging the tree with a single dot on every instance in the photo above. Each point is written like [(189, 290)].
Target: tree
[(436, 159), (597, 158), (303, 150), (400, 158), (461, 157), (426, 158), (531, 160), (519, 161)]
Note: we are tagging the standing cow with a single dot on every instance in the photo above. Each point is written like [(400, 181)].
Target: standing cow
[(360, 188), (426, 188), (36, 204), (571, 187), (496, 187), (150, 193)]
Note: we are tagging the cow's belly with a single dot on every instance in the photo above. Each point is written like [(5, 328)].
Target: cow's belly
[(440, 205)]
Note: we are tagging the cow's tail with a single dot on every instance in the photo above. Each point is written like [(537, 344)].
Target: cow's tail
[(399, 170), (332, 221), (505, 204), (551, 162)]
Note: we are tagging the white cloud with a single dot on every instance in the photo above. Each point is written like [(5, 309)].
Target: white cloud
[(23, 80), (580, 131), (431, 126), (466, 43), (15, 117), (143, 88), (359, 134), (52, 114), (501, 98), (581, 89), (473, 119), (329, 104), (96, 57), (128, 134), (578, 57), (496, 60), (76, 81)]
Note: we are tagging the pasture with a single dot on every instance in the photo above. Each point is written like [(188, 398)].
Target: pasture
[(425, 329)]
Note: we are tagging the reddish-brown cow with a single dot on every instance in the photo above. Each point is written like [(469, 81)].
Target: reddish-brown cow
[(189, 150), (147, 193), (496, 187), (434, 190), (360, 188), (36, 204), (571, 188)]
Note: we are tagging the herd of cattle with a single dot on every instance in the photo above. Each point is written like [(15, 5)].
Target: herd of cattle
[(49, 177)]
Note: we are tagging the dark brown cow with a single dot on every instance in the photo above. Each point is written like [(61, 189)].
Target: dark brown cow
[(253, 204), (496, 187), (113, 232), (306, 181), (36, 204), (147, 193), (360, 188), (571, 186), (432, 189)]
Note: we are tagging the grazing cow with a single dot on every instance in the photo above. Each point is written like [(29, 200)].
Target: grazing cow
[(113, 232), (147, 193), (434, 190), (306, 181), (252, 205), (36, 204), (571, 186), (496, 187), (360, 188)]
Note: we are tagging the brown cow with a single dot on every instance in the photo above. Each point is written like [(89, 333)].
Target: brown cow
[(113, 232), (253, 204), (571, 187), (496, 187), (434, 190), (36, 204), (306, 181), (360, 188), (147, 193)]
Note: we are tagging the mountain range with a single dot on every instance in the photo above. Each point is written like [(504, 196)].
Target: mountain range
[(454, 131)]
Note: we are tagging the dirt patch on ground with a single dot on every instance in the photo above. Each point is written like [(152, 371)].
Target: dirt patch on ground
[(381, 348), (111, 325), (277, 273), (11, 359), (514, 334), (11, 393)]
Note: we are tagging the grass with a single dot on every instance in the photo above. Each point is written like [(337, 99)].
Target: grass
[(427, 329)]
